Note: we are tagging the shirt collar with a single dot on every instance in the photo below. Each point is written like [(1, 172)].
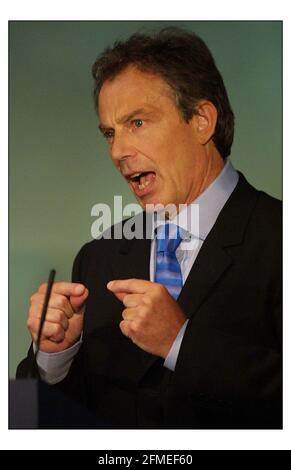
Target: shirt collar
[(197, 219)]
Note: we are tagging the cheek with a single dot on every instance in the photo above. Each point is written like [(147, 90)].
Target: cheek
[(167, 151), (156, 144)]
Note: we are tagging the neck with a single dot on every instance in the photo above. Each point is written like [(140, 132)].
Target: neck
[(212, 165)]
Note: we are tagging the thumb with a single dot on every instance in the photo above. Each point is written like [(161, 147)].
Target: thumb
[(78, 301)]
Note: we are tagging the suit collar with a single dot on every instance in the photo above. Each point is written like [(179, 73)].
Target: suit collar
[(213, 199), (232, 221)]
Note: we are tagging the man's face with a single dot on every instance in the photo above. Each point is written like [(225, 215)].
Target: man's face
[(151, 145)]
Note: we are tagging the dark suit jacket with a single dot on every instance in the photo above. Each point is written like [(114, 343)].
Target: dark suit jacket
[(228, 372)]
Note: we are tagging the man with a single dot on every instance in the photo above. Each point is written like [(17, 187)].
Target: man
[(164, 332)]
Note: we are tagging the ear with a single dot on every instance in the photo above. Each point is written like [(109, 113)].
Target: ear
[(204, 121)]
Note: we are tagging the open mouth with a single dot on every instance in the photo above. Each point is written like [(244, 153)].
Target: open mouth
[(141, 182)]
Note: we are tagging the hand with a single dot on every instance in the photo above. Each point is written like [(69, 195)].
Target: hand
[(64, 318), (152, 318)]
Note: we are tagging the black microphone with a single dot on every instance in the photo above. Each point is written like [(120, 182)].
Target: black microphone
[(43, 313)]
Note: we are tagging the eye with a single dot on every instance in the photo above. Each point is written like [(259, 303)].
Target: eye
[(138, 122), (108, 134)]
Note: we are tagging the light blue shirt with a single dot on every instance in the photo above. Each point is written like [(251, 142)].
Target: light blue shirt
[(196, 220)]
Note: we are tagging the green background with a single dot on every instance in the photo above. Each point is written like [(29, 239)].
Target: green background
[(59, 164)]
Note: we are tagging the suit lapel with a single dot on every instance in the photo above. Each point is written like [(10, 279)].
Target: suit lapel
[(214, 257), (210, 264)]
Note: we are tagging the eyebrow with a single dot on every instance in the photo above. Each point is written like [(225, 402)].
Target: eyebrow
[(127, 117)]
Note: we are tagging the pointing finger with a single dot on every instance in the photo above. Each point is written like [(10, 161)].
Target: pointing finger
[(134, 286)]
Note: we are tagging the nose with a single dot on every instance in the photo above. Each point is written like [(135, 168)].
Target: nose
[(121, 147)]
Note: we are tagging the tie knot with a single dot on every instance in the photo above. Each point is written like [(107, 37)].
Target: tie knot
[(168, 238)]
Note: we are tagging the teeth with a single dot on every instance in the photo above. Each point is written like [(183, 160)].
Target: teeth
[(143, 185), (136, 175)]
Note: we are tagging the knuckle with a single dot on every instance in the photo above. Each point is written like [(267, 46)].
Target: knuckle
[(122, 326), (61, 334), (34, 311), (59, 316), (125, 314), (33, 297), (57, 329), (29, 323), (146, 300), (160, 289), (58, 338), (30, 312)]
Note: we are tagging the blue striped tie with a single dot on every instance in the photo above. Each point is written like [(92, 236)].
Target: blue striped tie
[(168, 271)]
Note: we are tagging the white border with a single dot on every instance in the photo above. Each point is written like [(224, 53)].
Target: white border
[(150, 10)]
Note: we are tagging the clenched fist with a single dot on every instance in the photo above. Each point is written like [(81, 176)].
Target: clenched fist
[(64, 318)]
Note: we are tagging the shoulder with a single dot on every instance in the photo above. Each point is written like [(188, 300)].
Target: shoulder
[(264, 210), (267, 215), (111, 242), (264, 227), (269, 204), (102, 246)]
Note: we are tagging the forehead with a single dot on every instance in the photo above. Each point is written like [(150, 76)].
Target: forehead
[(133, 88)]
